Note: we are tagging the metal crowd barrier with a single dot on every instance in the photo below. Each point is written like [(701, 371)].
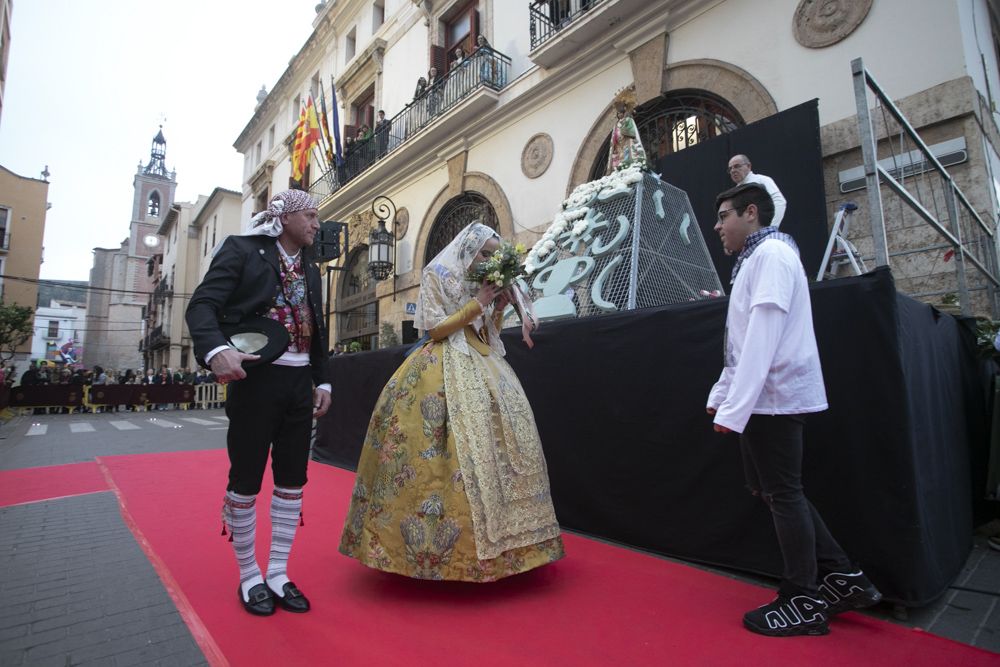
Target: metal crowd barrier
[(140, 396)]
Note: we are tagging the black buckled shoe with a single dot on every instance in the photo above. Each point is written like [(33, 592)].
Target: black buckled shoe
[(261, 601), (788, 617), (293, 600)]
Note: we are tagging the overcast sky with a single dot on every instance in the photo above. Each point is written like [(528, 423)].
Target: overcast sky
[(88, 84)]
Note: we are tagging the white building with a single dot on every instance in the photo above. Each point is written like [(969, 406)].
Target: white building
[(510, 137), (59, 326)]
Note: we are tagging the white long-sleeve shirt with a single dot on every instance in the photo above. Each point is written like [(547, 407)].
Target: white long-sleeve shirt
[(772, 189), (772, 362)]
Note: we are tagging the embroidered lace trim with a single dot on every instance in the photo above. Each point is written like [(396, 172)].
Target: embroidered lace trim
[(499, 452)]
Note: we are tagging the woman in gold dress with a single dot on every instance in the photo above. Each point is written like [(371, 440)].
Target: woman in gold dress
[(452, 482)]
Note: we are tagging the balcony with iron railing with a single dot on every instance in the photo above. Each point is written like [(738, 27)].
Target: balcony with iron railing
[(561, 30), (161, 292), (158, 337), (466, 92)]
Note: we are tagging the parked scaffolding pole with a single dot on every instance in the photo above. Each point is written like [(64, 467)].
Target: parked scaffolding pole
[(868, 151), (963, 286)]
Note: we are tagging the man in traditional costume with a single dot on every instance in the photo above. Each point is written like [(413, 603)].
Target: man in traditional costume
[(270, 406)]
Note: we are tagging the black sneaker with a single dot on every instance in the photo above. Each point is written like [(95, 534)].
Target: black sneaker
[(789, 616), (846, 591)]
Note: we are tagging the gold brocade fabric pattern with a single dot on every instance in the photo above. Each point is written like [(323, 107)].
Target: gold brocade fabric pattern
[(426, 506)]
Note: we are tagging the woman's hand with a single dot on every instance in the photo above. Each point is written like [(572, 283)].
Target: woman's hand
[(486, 294), (503, 299)]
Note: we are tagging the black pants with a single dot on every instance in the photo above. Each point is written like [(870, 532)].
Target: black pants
[(270, 411), (772, 461)]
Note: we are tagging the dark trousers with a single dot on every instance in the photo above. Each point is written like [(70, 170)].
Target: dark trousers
[(270, 411), (772, 461)]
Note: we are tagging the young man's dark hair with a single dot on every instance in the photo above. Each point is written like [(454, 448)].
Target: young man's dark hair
[(742, 196)]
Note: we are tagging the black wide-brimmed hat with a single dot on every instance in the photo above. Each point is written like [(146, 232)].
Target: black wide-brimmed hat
[(257, 335)]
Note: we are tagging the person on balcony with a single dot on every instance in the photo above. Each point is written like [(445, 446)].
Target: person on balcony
[(270, 406), (489, 69), (433, 92), (452, 482)]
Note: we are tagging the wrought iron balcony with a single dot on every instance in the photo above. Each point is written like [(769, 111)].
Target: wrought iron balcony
[(162, 292), (157, 338), (485, 68), (548, 17)]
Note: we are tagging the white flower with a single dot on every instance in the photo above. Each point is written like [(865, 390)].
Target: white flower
[(575, 213), (580, 227)]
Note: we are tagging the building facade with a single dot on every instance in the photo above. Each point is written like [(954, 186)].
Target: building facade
[(23, 203), (515, 126), (189, 234), (60, 321), (122, 278)]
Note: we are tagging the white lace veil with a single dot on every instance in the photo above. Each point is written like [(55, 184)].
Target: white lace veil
[(444, 289)]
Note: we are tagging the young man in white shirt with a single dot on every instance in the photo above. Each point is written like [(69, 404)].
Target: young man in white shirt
[(771, 380)]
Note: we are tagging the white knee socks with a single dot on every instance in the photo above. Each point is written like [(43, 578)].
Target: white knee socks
[(240, 514), (286, 508)]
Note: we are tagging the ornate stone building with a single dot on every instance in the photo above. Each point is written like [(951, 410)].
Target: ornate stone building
[(511, 130), (121, 278)]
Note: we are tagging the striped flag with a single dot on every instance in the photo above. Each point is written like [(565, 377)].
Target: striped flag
[(325, 124), (336, 123), (306, 136)]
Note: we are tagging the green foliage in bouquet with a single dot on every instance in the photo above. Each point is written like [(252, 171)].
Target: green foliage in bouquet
[(504, 266)]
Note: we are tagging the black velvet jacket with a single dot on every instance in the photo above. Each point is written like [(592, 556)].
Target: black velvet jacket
[(243, 280)]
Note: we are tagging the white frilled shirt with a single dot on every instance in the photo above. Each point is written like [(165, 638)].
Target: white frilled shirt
[(772, 362)]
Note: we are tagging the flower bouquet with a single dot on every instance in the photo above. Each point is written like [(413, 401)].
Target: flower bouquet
[(504, 266)]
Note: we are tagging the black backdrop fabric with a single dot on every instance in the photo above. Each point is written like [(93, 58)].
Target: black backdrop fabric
[(619, 401), (786, 147)]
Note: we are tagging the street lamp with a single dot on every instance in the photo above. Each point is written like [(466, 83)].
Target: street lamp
[(381, 243)]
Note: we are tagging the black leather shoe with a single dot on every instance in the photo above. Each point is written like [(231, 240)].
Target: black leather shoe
[(293, 600), (261, 600)]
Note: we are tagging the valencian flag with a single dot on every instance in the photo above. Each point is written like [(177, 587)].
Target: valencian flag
[(306, 136)]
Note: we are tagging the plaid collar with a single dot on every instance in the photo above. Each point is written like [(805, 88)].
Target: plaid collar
[(755, 239)]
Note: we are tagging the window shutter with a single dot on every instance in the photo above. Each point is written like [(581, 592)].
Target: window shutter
[(439, 60)]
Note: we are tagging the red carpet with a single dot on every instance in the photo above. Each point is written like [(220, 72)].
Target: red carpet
[(29, 485), (601, 605)]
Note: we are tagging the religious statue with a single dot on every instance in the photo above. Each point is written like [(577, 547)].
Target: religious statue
[(626, 146)]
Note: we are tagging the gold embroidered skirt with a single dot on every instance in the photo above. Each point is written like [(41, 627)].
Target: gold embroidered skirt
[(452, 483)]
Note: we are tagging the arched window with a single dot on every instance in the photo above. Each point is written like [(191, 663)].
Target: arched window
[(357, 307), (459, 212), (153, 206), (675, 121)]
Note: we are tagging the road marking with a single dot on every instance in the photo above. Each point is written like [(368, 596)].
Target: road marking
[(37, 429), (196, 420), (219, 428), (125, 426), (81, 427), (163, 423), (221, 419)]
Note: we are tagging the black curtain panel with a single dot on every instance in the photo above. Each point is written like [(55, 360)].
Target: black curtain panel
[(620, 405), (786, 147)]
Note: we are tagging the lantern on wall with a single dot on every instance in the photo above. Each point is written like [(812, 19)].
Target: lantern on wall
[(381, 242)]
